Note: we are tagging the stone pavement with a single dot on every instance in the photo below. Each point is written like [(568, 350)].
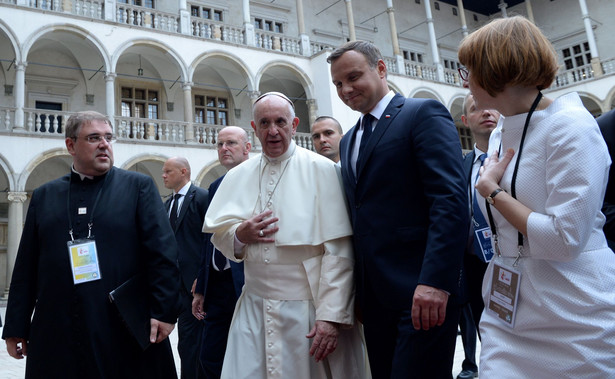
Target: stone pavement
[(14, 369)]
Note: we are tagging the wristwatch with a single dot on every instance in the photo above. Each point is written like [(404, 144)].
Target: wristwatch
[(491, 198)]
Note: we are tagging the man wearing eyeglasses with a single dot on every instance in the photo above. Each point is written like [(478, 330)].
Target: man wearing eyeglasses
[(86, 234)]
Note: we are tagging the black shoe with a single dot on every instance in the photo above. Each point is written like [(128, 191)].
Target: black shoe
[(467, 374)]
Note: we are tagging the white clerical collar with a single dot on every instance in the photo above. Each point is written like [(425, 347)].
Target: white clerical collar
[(378, 110), (82, 176), (184, 190), (287, 154)]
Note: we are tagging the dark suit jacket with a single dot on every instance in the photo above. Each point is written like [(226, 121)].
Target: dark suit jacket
[(207, 255), (408, 203), (607, 127), (188, 232), (76, 331)]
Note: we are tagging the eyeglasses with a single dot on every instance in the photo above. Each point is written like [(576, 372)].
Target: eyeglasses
[(463, 73), (95, 139)]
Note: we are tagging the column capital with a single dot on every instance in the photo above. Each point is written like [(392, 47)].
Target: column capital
[(110, 76), (21, 65), (254, 95), (187, 86), (17, 197)]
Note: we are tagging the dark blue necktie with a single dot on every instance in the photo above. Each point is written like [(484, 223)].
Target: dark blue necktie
[(478, 220), (366, 124), (173, 215)]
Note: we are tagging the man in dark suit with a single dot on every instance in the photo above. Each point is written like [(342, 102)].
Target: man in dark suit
[(607, 127), (480, 122), (186, 207), (218, 288), (117, 229), (408, 200)]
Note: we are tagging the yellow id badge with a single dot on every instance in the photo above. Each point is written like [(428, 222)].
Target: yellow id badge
[(504, 293), (83, 260)]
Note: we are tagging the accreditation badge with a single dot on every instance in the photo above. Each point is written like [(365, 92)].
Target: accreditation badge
[(504, 293), (483, 237), (83, 260)]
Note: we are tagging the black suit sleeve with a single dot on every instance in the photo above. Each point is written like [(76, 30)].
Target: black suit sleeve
[(158, 243)]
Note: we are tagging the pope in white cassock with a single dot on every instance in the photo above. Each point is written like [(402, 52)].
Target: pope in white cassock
[(283, 213)]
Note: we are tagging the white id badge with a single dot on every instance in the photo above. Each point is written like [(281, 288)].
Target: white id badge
[(504, 293), (83, 260)]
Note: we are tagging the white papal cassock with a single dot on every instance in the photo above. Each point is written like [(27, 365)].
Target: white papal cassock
[(305, 275)]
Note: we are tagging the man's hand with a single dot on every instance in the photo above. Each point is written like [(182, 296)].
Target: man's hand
[(325, 339), (193, 287), (17, 347), (159, 330), (428, 307), (197, 306), (255, 229)]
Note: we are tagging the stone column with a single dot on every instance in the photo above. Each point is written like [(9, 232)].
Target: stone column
[(187, 87), (435, 56), (110, 10), (312, 110), (462, 18), (110, 98), (351, 32), (20, 94), (530, 11), (591, 40), (185, 26), (15, 227), (502, 5), (247, 24), (399, 59), (305, 39)]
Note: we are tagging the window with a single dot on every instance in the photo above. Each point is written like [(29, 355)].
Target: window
[(269, 25), (140, 3), (211, 110), (465, 137), (452, 65), (417, 1), (454, 11), (475, 17), (140, 103), (577, 56), (207, 13), (412, 56), (436, 5)]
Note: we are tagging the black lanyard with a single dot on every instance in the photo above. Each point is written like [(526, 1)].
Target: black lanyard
[(513, 186), (91, 222)]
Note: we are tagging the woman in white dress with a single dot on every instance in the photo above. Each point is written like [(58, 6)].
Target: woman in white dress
[(549, 292)]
